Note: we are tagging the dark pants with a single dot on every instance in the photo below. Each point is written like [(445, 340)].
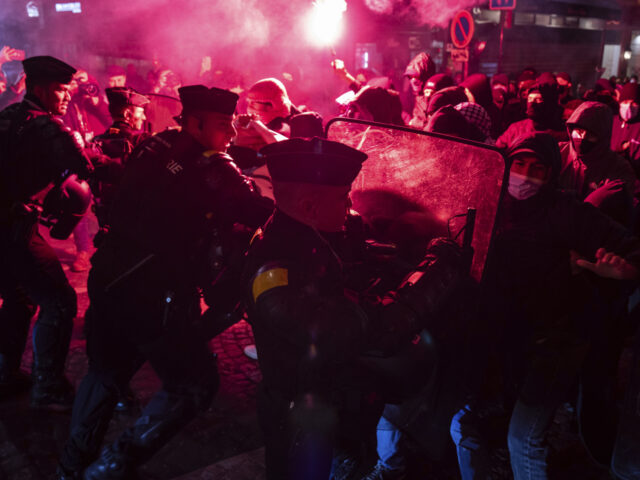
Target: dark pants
[(626, 454), (30, 273), (123, 328)]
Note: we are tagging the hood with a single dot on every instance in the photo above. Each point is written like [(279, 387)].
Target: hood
[(421, 65), (543, 146), (384, 105), (439, 81), (446, 96), (480, 87), (449, 121), (597, 118)]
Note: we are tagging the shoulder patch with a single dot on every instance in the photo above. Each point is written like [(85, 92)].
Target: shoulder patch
[(269, 279)]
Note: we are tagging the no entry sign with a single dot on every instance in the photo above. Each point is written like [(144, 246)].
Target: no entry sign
[(502, 4), (462, 29)]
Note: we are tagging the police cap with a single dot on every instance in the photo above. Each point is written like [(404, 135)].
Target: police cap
[(197, 98), (46, 68), (315, 161), (120, 97)]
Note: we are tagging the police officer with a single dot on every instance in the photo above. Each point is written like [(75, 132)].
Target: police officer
[(126, 107), (321, 396), (179, 200), (36, 151)]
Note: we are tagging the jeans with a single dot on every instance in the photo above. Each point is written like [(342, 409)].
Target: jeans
[(390, 445), (550, 373)]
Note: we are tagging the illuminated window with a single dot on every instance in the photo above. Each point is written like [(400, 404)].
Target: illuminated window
[(73, 7), (32, 9)]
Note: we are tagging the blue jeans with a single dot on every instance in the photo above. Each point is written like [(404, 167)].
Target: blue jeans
[(626, 454), (389, 448), (473, 457), (550, 372)]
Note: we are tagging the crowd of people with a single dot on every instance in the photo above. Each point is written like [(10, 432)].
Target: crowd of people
[(250, 211)]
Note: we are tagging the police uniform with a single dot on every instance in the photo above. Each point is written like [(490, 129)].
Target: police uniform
[(170, 224), (37, 150), (321, 396), (116, 143)]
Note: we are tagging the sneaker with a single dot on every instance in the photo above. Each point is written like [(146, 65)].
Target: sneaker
[(55, 396), (381, 472), (251, 351), (81, 263)]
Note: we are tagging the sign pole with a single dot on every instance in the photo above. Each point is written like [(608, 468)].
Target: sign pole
[(501, 41)]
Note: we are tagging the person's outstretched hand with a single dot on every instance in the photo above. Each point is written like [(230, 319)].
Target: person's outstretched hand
[(609, 265)]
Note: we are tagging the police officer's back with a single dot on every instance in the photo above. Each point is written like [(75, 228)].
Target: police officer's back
[(179, 198), (36, 152)]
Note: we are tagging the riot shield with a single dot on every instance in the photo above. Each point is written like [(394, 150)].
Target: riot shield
[(160, 112), (426, 183)]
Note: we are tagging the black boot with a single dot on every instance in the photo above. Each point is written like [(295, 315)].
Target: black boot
[(51, 392), (113, 464)]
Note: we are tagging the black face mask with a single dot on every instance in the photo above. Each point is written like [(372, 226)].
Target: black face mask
[(535, 111), (583, 146)]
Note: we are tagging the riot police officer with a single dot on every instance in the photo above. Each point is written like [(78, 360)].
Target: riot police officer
[(321, 396), (179, 201), (126, 107), (36, 152)]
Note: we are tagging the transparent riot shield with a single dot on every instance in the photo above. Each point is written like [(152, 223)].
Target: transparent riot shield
[(425, 183), (160, 112)]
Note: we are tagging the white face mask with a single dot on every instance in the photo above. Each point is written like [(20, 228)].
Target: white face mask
[(522, 187), (628, 111)]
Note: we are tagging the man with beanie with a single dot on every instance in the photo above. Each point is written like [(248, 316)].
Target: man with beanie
[(321, 394), (419, 70), (543, 113), (172, 236), (625, 137), (37, 150)]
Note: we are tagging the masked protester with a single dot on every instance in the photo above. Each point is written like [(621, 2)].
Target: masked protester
[(529, 281), (543, 113), (419, 70), (587, 159), (625, 137)]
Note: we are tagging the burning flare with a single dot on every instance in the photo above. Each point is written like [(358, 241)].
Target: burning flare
[(324, 22)]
